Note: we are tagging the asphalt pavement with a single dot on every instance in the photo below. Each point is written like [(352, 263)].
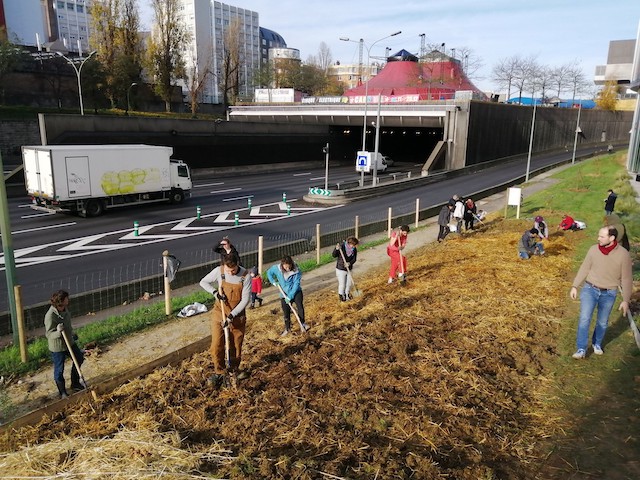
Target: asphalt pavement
[(324, 276)]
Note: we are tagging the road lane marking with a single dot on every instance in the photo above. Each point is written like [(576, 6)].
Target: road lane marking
[(316, 178), (301, 174), (43, 228), (227, 190), (208, 185), (38, 215), (236, 198)]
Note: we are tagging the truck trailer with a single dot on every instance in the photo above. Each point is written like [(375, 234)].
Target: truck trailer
[(88, 179)]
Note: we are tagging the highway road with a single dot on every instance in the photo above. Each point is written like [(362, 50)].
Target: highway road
[(64, 251)]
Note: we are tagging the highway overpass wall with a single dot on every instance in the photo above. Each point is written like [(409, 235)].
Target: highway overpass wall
[(497, 130)]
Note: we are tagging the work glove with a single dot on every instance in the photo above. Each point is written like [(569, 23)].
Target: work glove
[(228, 320), (60, 327), (221, 296)]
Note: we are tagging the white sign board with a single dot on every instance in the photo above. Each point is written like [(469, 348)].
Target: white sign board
[(514, 196), (363, 162)]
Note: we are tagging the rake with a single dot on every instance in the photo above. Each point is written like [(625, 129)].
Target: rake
[(303, 328)]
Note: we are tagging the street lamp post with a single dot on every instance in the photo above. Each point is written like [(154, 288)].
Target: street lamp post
[(575, 138), (134, 84), (366, 94), (533, 126), (78, 72)]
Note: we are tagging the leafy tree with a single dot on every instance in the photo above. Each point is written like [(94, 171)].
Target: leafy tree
[(607, 98), (166, 46), (10, 57), (115, 25)]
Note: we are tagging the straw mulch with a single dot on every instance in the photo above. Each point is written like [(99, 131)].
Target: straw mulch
[(438, 378)]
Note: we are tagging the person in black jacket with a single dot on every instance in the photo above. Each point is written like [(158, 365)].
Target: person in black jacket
[(350, 252), (443, 221), (610, 202)]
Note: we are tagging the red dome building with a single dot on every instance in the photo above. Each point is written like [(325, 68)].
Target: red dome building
[(404, 79)]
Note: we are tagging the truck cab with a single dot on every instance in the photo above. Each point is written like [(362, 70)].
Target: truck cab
[(180, 181)]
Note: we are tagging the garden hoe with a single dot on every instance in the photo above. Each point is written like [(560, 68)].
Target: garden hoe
[(403, 276), (632, 324), (303, 327), (230, 375), (356, 292), (75, 361), (634, 328)]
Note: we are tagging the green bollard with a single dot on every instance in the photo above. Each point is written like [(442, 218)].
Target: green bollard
[(284, 196), (198, 212), (136, 225), (248, 203), (288, 209), (236, 219)]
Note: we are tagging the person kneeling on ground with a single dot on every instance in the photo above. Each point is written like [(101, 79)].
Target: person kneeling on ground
[(233, 293), (529, 244), (567, 223), (288, 276)]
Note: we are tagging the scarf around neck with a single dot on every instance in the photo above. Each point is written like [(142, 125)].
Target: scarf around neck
[(607, 250)]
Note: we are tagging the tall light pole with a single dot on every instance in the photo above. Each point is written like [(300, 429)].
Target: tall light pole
[(134, 84), (533, 126), (78, 72), (366, 94), (575, 138), (366, 85)]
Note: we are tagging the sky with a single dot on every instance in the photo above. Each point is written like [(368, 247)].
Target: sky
[(555, 32)]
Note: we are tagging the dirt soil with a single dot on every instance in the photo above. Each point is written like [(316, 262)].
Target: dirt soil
[(444, 376)]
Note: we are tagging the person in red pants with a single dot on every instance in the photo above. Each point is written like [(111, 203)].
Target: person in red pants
[(396, 244)]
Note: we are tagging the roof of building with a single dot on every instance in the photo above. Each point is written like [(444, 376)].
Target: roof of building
[(404, 75)]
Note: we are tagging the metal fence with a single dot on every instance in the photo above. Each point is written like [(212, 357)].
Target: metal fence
[(112, 287)]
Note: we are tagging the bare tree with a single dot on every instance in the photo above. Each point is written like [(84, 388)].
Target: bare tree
[(229, 80), (560, 78), (504, 73), (525, 74), (577, 81), (196, 78), (325, 59), (470, 62), (166, 47)]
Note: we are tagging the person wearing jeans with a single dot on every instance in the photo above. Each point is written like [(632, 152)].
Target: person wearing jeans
[(606, 267)]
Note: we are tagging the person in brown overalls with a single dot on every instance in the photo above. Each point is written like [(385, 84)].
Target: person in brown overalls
[(233, 294)]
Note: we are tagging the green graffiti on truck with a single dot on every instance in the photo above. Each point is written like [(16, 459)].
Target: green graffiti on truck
[(129, 181)]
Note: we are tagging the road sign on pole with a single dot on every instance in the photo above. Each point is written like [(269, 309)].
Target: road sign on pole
[(363, 162)]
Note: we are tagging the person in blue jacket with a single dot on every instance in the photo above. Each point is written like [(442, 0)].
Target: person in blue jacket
[(288, 276)]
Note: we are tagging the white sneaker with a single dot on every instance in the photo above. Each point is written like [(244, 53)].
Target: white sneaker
[(597, 349), (285, 332), (390, 281), (305, 327), (579, 354)]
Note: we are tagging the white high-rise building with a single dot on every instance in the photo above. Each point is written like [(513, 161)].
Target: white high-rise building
[(73, 22), (208, 21)]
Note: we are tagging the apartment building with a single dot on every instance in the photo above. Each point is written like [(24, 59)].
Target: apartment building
[(209, 22)]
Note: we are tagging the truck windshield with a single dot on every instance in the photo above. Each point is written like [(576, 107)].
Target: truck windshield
[(183, 171)]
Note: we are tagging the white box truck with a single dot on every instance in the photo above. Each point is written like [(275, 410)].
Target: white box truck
[(88, 179)]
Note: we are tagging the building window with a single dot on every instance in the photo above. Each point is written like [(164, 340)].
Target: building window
[(70, 6), (80, 8), (60, 5)]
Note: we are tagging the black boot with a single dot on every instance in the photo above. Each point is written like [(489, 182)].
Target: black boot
[(62, 390)]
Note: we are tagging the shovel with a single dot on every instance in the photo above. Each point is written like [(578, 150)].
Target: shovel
[(230, 377), (356, 292), (295, 312), (73, 358)]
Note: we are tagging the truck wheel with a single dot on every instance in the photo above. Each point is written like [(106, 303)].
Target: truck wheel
[(94, 208), (177, 196)]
